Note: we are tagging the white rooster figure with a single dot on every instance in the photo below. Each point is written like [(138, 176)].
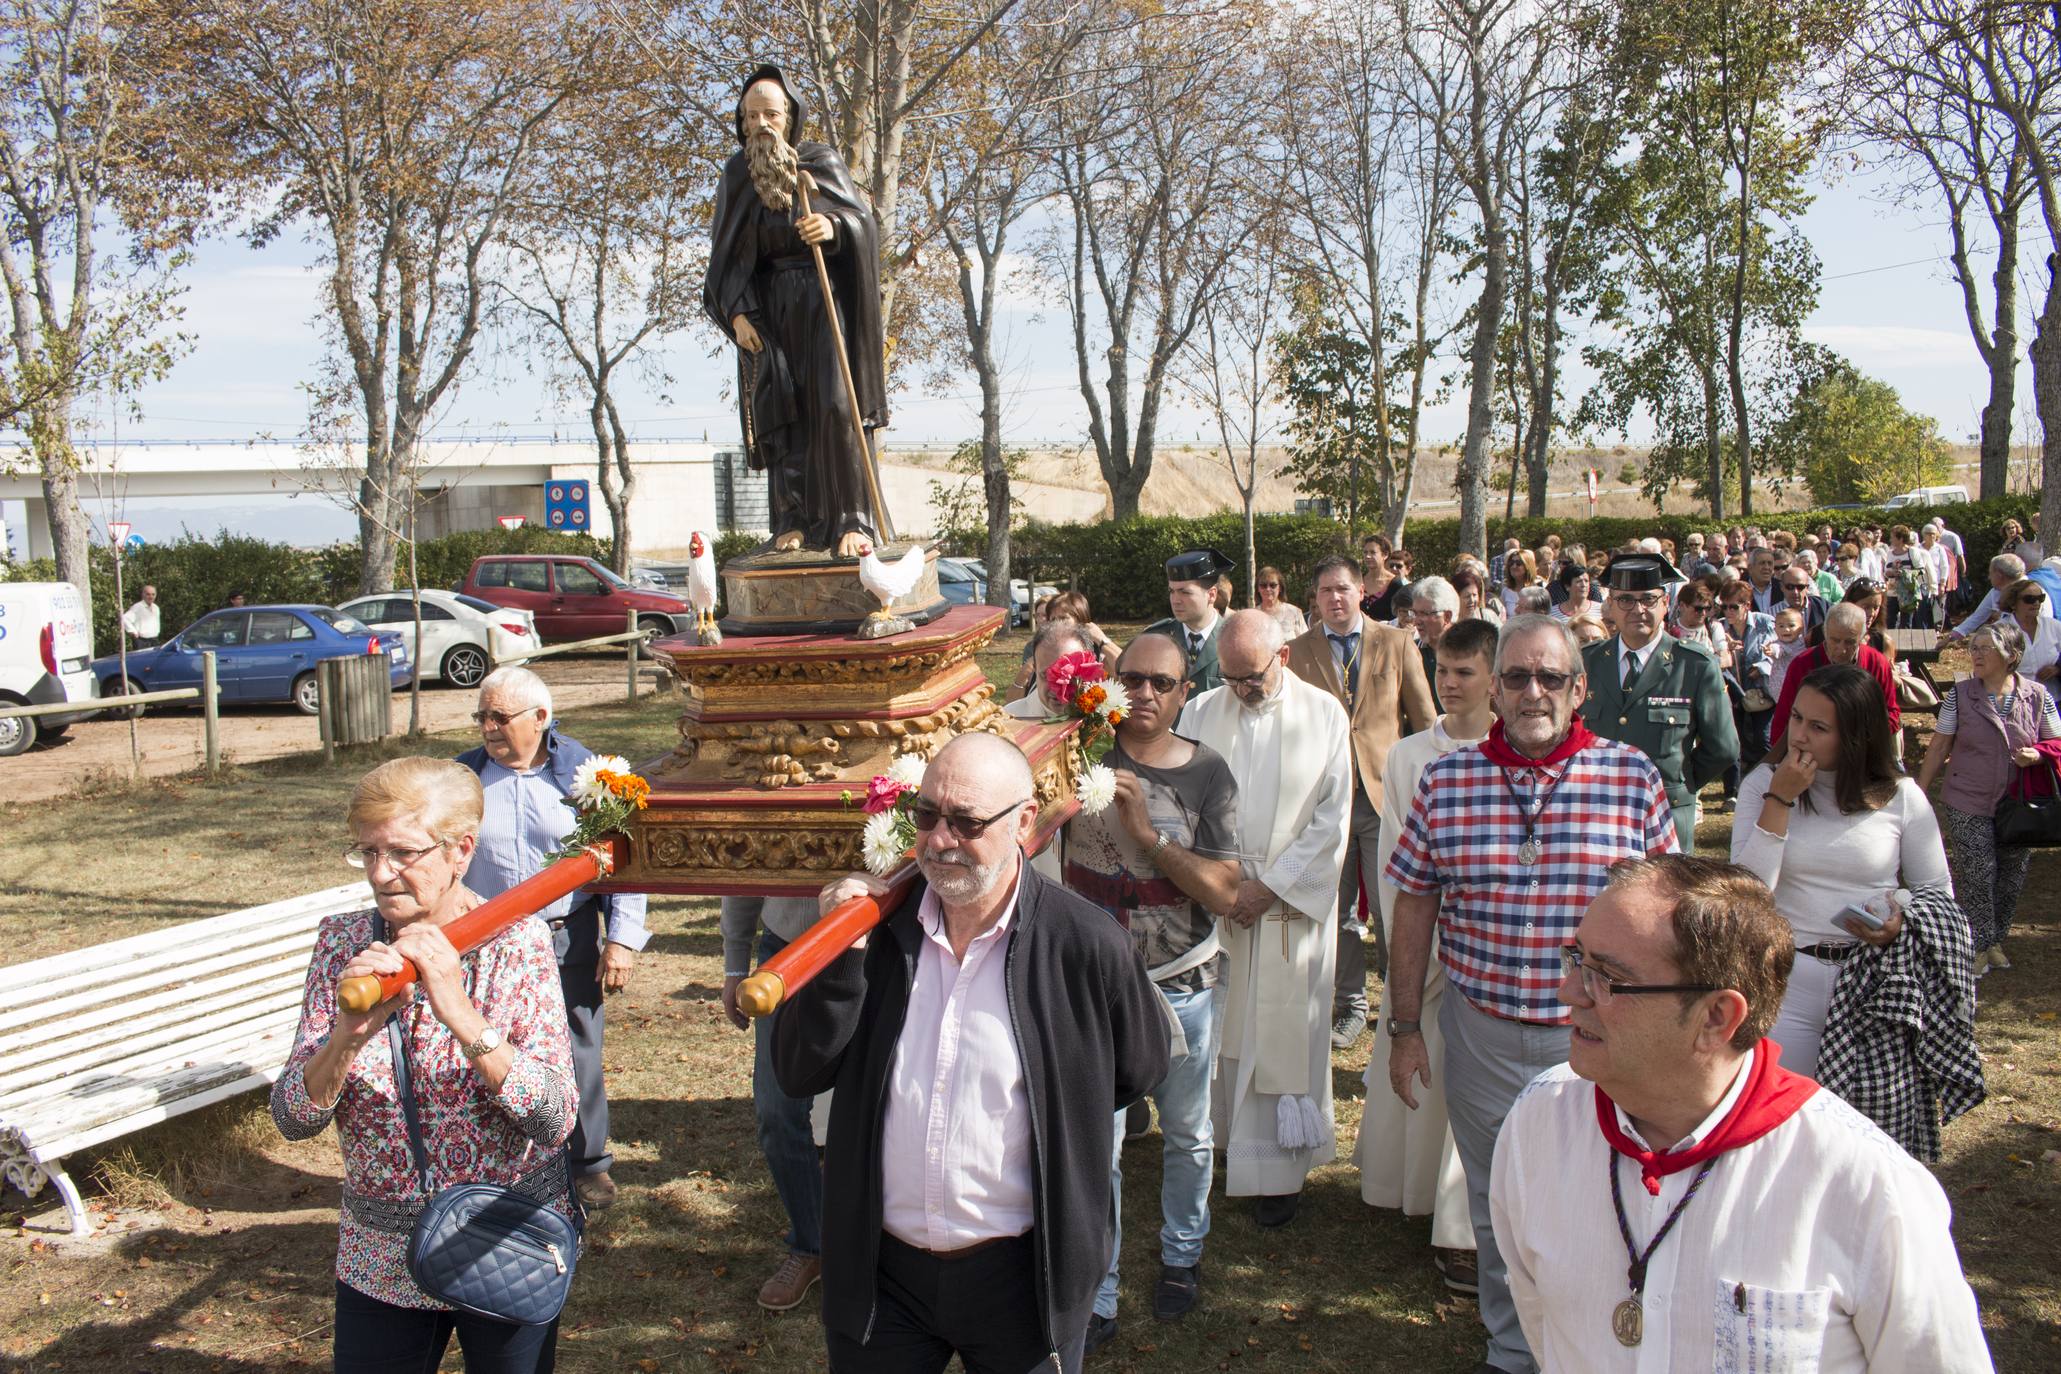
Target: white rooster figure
[(889, 582), (701, 588)]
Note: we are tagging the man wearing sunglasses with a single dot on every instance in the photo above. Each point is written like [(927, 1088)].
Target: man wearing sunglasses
[(980, 1042), (1163, 862), (525, 769), (1288, 746), (1661, 695), (1692, 1194), (1504, 847)]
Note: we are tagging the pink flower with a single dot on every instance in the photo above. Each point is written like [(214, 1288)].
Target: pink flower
[(1069, 674), (881, 795)]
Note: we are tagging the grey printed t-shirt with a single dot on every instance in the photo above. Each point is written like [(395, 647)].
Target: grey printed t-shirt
[(1196, 805)]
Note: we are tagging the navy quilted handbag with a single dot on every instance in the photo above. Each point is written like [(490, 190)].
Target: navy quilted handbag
[(481, 1247)]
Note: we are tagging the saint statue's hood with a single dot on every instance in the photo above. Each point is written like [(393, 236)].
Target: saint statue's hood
[(797, 111)]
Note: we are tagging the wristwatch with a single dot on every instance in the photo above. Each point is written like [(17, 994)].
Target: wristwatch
[(1398, 1029), (489, 1041), (1160, 841)]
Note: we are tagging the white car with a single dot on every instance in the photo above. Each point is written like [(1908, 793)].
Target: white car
[(463, 637)]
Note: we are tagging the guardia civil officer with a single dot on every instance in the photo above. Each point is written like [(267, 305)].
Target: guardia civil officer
[(1656, 693)]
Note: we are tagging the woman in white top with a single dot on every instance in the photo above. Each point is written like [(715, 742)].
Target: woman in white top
[(2024, 601), (1827, 822), (1286, 614)]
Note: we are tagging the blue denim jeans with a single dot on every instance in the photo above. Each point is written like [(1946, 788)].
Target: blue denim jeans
[(784, 1135), (1183, 1101)]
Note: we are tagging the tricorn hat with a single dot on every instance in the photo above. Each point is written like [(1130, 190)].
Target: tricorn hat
[(1640, 572), (1198, 565)]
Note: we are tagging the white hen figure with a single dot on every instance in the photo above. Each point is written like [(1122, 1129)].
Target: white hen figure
[(889, 582), (701, 588)]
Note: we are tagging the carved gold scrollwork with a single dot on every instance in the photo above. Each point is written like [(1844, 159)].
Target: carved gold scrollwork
[(714, 851)]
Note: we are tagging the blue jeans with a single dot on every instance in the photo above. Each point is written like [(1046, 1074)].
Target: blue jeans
[(784, 1135), (1183, 1101), (374, 1337)]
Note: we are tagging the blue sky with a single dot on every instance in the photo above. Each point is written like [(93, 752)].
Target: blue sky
[(1887, 303)]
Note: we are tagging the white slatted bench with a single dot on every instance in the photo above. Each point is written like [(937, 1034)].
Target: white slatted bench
[(103, 1041)]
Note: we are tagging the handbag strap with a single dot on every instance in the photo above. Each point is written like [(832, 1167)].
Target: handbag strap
[(404, 1089)]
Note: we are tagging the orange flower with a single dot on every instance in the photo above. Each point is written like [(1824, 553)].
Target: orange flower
[(1116, 718), (1091, 697)]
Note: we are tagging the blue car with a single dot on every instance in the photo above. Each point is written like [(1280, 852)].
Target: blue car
[(262, 653)]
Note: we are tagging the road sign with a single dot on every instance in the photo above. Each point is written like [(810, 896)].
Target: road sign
[(117, 531), (1589, 477), (512, 522), (565, 505)]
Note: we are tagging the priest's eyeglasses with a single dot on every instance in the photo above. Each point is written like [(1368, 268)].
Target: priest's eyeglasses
[(927, 817), (364, 857), (1598, 988)]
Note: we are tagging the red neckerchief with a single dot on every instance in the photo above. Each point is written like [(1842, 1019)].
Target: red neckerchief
[(1498, 750), (1771, 1096)]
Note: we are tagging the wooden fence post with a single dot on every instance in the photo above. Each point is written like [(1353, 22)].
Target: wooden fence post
[(630, 652), (210, 715)]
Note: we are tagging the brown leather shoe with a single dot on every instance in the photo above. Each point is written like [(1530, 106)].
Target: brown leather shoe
[(791, 1282), (597, 1191), (1457, 1268)]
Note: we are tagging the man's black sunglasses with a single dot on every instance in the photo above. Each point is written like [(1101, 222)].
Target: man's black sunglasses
[(927, 817)]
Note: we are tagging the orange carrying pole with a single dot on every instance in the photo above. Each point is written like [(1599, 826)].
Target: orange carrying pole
[(817, 947), (491, 917)]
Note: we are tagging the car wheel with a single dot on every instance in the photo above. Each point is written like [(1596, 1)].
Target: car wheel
[(17, 733), (119, 687), (306, 697), (657, 628), (465, 666)]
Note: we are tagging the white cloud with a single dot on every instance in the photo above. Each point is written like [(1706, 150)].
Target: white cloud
[(1894, 347)]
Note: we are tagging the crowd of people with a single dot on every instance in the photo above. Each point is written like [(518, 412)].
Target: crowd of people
[(1481, 786)]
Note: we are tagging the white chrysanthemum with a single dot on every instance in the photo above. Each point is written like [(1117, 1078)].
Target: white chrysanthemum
[(880, 845), (588, 790), (1117, 700), (1096, 789), (907, 769)]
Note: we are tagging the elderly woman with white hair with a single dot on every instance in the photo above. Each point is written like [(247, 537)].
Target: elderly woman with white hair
[(1992, 731), (488, 1067), (525, 767)]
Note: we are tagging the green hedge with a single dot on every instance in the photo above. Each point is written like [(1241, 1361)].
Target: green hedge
[(1119, 565)]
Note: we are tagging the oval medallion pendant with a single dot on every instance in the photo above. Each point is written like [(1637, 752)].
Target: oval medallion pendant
[(1528, 853), (1628, 1322)]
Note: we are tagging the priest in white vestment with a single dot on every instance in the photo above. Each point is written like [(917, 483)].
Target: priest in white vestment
[(1288, 748), (1407, 1159), (1671, 1198)]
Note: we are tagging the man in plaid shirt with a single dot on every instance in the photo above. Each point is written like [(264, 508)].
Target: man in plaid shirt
[(1505, 846)]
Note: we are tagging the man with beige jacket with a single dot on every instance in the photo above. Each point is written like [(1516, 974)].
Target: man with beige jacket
[(1375, 673)]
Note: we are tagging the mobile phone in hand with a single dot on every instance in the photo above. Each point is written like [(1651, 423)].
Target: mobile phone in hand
[(1857, 920)]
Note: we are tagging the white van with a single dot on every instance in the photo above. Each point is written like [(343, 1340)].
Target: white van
[(1927, 496), (46, 647)]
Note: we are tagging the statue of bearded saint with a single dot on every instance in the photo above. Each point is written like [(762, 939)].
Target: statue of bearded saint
[(763, 291)]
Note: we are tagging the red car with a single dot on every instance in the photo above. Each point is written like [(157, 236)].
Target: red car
[(572, 597)]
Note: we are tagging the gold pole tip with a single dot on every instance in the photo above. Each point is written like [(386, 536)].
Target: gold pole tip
[(360, 994), (761, 994)]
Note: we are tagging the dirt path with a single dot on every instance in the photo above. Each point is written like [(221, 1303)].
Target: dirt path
[(169, 741)]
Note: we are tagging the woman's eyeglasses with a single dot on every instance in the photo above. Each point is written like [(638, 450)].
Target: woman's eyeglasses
[(363, 856)]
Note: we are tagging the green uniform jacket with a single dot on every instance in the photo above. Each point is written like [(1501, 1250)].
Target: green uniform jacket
[(1203, 674), (1676, 712)]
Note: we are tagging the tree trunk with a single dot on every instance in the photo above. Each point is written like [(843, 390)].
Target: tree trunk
[(1995, 473), (618, 477), (2046, 396), (1714, 449), (1735, 368), (70, 534), (1474, 451), (994, 473)]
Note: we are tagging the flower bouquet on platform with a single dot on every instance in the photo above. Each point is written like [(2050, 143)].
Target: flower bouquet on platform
[(1083, 691), (605, 794)]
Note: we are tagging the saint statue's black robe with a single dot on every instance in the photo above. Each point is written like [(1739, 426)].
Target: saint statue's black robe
[(795, 410)]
